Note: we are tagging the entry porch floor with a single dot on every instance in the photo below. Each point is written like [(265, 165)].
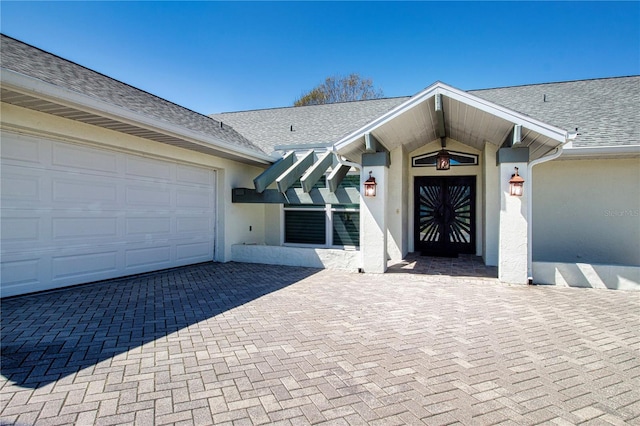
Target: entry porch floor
[(465, 265)]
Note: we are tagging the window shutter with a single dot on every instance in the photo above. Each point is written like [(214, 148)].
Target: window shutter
[(305, 227), (346, 229)]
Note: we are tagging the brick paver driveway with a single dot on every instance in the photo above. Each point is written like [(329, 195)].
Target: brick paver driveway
[(252, 344)]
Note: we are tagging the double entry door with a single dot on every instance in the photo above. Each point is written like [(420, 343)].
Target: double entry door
[(444, 222)]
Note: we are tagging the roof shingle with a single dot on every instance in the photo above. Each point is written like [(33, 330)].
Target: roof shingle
[(33, 62), (605, 111), (317, 124)]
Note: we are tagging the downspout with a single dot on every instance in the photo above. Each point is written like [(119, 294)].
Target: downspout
[(529, 183)]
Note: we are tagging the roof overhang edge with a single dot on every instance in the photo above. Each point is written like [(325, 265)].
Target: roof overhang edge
[(50, 92)]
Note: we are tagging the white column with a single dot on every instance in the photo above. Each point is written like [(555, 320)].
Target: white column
[(513, 230), (373, 221)]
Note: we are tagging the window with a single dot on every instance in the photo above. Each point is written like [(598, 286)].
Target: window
[(330, 225), (457, 159), (304, 225)]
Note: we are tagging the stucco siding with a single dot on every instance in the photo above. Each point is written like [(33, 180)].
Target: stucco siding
[(587, 211)]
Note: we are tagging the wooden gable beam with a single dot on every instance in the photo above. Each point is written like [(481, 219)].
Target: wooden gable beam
[(293, 173), (439, 116), (371, 144), (336, 176), (269, 176), (316, 172)]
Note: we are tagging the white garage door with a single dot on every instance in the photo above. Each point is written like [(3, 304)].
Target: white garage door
[(74, 213)]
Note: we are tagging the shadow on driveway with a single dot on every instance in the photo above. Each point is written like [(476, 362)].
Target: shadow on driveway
[(48, 336)]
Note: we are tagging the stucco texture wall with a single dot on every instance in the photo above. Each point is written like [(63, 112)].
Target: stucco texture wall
[(587, 211)]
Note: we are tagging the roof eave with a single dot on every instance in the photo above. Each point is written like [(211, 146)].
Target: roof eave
[(53, 93), (599, 152)]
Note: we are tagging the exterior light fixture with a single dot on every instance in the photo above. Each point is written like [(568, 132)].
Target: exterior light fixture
[(443, 160), (370, 186), (516, 184)]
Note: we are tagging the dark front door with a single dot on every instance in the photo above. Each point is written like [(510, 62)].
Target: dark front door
[(445, 215)]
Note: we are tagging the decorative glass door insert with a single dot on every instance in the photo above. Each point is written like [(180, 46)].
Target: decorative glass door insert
[(444, 215)]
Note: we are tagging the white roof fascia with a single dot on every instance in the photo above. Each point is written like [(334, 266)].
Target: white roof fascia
[(438, 87), (408, 104), (601, 151), (530, 123), (50, 92)]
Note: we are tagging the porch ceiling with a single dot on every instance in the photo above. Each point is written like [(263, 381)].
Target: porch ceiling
[(467, 119)]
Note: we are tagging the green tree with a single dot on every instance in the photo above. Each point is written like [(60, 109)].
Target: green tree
[(340, 89)]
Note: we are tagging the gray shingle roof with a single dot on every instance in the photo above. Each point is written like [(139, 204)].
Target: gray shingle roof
[(33, 62), (606, 111), (318, 124)]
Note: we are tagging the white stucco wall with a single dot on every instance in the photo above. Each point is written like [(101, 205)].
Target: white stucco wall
[(513, 235), (348, 260), (373, 221), (491, 204), (398, 204), (587, 211), (273, 224), (233, 220)]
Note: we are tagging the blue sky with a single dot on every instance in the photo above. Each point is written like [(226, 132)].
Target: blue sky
[(229, 56)]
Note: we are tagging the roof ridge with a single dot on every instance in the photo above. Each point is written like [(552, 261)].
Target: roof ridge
[(308, 106), (553, 82)]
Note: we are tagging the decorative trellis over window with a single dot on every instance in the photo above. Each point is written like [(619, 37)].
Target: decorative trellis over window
[(457, 159)]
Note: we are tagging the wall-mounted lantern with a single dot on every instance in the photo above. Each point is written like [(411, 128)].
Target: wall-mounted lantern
[(370, 186), (516, 184), (443, 160)]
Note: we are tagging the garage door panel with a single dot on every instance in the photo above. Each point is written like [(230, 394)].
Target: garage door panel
[(148, 257), (64, 223), (19, 186), (16, 228), (85, 189), (84, 227), (187, 198), (90, 265), (22, 149), (69, 157), (194, 224), (193, 252), (147, 225), (19, 273), (194, 175), (147, 168), (156, 196)]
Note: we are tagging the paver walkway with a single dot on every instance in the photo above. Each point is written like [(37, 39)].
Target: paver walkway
[(254, 344)]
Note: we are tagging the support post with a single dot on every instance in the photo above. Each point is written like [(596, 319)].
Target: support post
[(513, 228), (373, 220)]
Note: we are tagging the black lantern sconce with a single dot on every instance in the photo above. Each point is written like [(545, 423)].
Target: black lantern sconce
[(516, 184), (370, 186)]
